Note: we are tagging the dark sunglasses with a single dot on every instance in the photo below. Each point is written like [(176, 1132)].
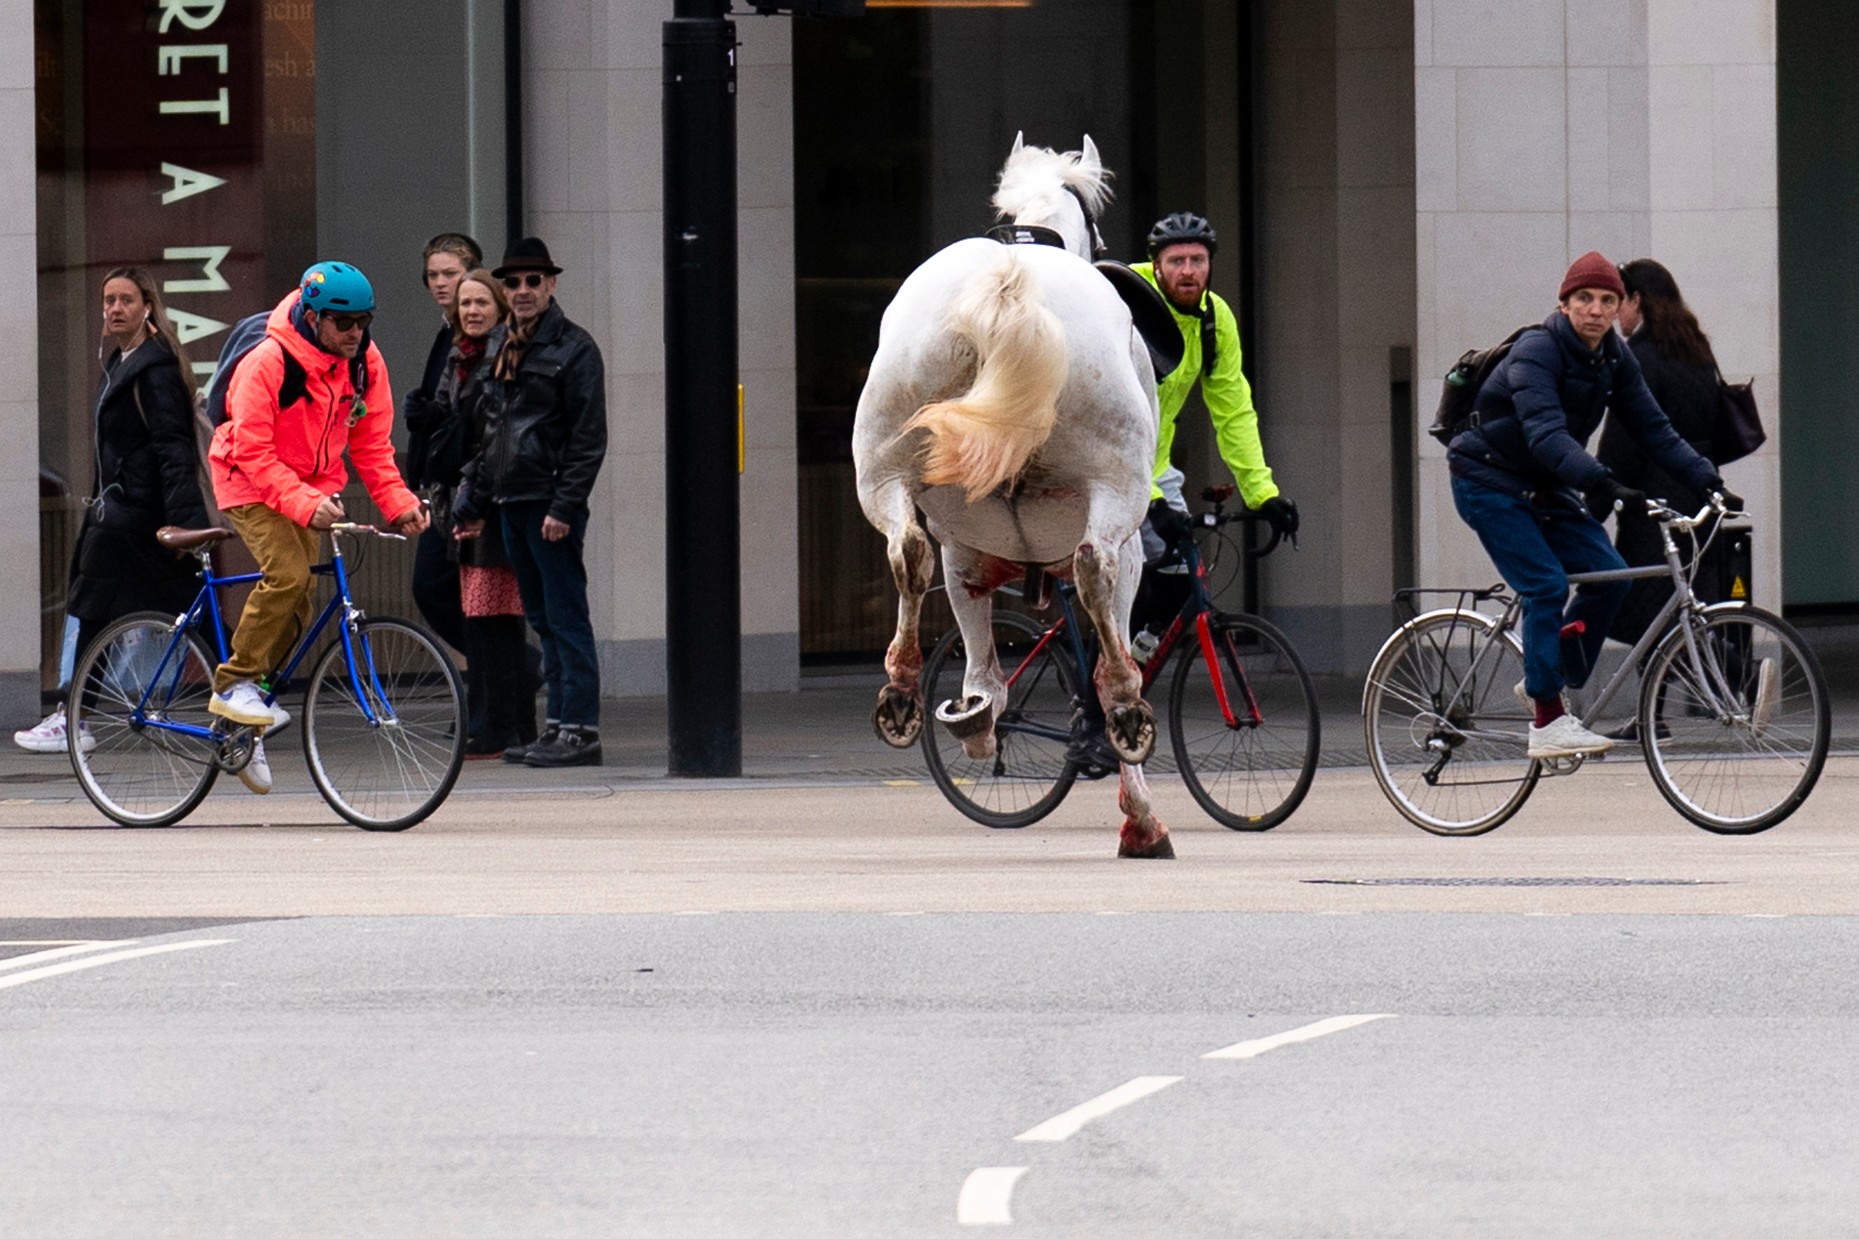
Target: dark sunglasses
[(532, 280), (349, 322)]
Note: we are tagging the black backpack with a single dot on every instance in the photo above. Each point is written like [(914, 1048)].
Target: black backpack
[(1463, 382), (247, 334)]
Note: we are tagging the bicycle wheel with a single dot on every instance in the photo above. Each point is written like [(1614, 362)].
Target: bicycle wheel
[(1252, 773), (134, 677), (1029, 772), (389, 766), (1736, 740), (1447, 738)]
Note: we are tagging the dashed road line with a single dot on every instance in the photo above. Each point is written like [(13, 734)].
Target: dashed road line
[(987, 1196), (1309, 1032), (97, 961), (1066, 1125)]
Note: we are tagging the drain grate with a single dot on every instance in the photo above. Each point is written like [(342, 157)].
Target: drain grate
[(1510, 882)]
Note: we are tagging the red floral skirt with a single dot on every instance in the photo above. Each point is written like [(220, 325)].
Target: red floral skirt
[(489, 591)]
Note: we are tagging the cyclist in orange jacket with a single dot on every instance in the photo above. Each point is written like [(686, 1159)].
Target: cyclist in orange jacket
[(313, 388)]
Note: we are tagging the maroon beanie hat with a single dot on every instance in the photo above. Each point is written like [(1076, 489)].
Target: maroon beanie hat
[(1592, 271)]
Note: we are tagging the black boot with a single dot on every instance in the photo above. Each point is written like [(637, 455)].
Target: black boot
[(518, 754), (572, 746)]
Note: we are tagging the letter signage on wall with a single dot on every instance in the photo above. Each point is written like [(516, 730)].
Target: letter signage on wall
[(174, 129)]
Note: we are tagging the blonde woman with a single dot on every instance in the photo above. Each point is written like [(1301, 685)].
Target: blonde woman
[(145, 475)]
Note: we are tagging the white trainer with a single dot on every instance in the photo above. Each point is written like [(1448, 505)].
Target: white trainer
[(1566, 737), (243, 704), (1768, 696), (49, 735), (257, 773)]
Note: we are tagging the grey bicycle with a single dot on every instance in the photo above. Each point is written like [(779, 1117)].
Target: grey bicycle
[(1732, 717)]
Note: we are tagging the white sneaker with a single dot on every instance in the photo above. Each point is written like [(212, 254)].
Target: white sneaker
[(1566, 737), (280, 719), (1768, 696), (257, 773), (243, 704), (49, 735)]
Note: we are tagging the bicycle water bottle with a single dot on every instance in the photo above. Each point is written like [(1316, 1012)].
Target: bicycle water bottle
[(1143, 645)]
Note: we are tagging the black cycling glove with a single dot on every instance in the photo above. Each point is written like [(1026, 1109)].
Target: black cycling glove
[(1616, 496), (1281, 514), (1170, 524)]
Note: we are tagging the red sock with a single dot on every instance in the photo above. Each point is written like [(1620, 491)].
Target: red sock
[(1549, 711)]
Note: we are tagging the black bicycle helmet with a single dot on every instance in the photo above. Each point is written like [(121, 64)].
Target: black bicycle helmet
[(1179, 227)]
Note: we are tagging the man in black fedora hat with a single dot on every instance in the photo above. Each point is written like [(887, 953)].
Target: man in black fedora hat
[(544, 442)]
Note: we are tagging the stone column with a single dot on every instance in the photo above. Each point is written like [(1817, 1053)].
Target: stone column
[(593, 101), (19, 358), (1336, 195)]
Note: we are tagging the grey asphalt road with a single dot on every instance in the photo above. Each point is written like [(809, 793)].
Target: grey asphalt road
[(1600, 1020), (800, 1074)]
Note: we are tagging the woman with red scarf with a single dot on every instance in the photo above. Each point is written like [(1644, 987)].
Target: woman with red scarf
[(499, 684)]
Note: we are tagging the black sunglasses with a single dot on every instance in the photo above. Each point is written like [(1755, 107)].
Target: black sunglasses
[(349, 322), (532, 280)]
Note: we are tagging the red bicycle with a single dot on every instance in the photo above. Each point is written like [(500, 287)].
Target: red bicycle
[(1243, 724)]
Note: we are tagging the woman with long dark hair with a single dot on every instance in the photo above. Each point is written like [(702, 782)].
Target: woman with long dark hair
[(146, 475), (1676, 358)]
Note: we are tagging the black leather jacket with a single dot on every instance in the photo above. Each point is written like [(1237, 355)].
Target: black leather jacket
[(545, 433)]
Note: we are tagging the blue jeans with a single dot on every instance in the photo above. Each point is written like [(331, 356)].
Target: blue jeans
[(1534, 549), (553, 582)]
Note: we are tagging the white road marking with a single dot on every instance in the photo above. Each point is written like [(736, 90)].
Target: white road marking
[(62, 952), (96, 961), (1067, 1125), (1309, 1032), (986, 1196)]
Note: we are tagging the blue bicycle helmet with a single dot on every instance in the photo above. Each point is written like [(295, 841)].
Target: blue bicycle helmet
[(337, 287)]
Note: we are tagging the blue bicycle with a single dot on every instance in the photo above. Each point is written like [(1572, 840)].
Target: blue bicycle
[(383, 714)]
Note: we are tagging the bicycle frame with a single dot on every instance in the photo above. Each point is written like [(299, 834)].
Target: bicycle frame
[(1683, 600), (1196, 610), (206, 605)]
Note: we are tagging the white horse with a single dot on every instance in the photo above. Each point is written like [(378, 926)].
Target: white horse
[(1012, 402)]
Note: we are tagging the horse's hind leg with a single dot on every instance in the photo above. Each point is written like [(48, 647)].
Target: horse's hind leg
[(1106, 579), (972, 578), (898, 718), (1143, 836)]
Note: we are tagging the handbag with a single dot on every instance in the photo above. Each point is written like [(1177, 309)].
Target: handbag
[(1736, 431)]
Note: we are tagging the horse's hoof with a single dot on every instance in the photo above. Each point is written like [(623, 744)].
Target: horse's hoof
[(973, 717), (1131, 732), (1159, 848), (898, 718)]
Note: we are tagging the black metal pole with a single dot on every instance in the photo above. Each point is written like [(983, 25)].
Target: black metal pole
[(513, 121), (703, 588)]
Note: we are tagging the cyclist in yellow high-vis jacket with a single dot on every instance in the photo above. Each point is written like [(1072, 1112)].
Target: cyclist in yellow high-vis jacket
[(1181, 249)]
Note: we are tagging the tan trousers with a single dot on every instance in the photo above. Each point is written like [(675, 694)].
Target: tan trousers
[(279, 610)]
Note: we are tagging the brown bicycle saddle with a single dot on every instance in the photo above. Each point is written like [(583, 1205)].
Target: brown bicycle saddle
[(177, 539)]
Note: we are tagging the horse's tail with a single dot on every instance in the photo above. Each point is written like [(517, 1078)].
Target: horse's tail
[(984, 437)]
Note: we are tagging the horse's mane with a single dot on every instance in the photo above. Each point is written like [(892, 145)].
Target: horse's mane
[(1034, 173)]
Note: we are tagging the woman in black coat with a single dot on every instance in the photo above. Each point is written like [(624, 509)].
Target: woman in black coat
[(501, 677), (146, 475), (1681, 371)]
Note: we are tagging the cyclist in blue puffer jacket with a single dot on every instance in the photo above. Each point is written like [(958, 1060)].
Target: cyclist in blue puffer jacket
[(1520, 472)]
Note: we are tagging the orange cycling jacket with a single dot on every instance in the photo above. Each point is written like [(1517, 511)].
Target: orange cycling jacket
[(288, 459)]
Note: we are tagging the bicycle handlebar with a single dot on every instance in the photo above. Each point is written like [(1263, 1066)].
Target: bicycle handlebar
[(355, 528), (1671, 517)]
